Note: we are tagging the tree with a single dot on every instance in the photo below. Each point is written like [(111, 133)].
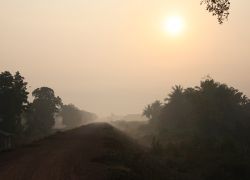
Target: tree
[(41, 115), (207, 126), (13, 101), (152, 111), (88, 116), (177, 93), (219, 8), (212, 110), (71, 115)]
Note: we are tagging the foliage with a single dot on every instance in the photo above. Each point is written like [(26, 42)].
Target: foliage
[(219, 8), (210, 110), (42, 111), (36, 119), (71, 115), (13, 101), (88, 116), (204, 132), (152, 111)]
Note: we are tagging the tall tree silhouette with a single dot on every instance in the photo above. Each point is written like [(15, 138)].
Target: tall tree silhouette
[(13, 101), (43, 109)]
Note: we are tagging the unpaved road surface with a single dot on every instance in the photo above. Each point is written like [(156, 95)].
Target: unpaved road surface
[(70, 155)]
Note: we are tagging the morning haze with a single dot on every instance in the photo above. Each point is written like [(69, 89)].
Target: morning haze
[(115, 56), (124, 90)]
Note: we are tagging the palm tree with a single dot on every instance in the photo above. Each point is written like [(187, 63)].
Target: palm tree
[(177, 92), (153, 110)]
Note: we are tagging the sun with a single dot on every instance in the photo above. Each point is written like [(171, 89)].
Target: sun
[(174, 25)]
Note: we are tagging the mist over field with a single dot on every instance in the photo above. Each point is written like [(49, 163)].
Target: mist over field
[(124, 90)]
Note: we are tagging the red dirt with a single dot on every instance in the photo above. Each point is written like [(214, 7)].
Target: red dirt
[(64, 156)]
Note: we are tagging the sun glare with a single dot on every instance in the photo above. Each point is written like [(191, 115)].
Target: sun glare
[(174, 25)]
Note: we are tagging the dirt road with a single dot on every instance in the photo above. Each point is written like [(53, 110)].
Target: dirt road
[(68, 155)]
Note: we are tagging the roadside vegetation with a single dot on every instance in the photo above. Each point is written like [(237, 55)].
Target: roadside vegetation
[(195, 133), (30, 120), (199, 132)]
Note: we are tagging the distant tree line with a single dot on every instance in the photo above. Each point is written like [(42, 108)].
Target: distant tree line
[(205, 130), (19, 116)]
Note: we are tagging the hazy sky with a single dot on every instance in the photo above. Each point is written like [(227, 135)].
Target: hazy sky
[(114, 56)]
